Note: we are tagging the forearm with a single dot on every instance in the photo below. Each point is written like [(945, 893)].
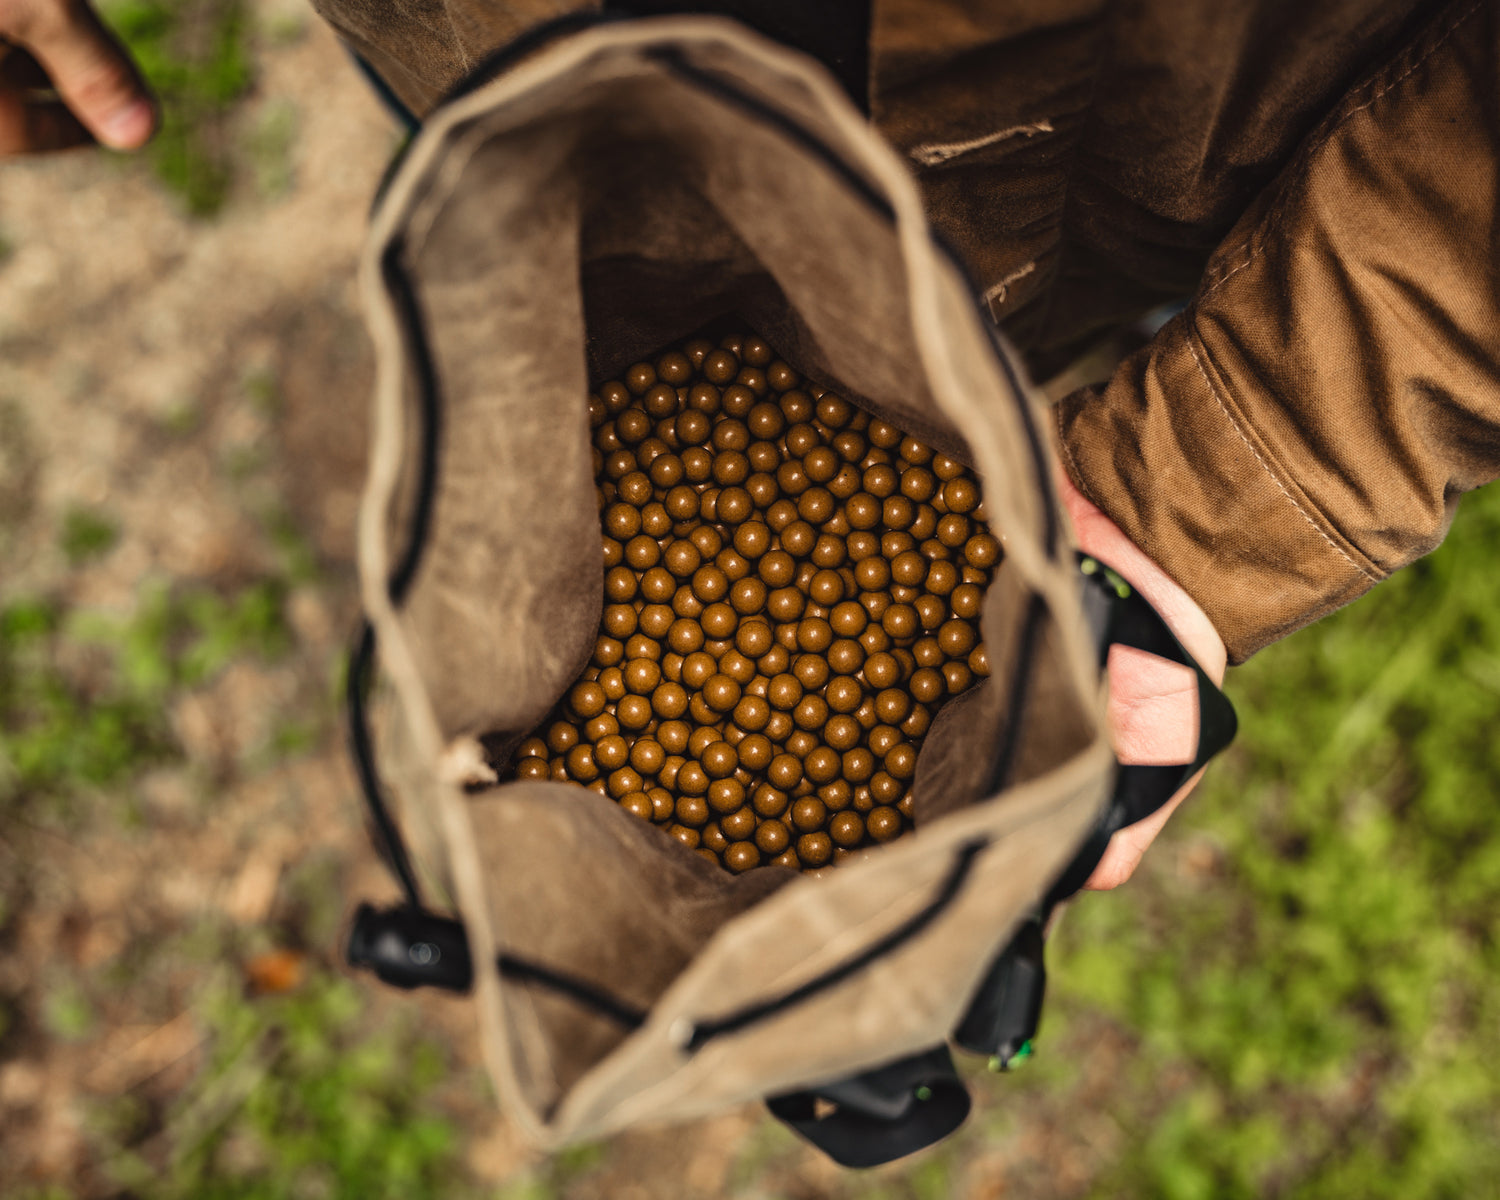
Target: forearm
[(1306, 426)]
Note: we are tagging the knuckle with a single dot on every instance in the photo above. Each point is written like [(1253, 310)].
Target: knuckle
[(101, 80)]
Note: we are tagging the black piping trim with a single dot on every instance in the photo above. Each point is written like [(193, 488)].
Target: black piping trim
[(600, 1001), (429, 410), (362, 751), (958, 874)]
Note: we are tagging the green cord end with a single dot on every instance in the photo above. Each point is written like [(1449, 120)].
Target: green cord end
[(924, 1092), (997, 1063)]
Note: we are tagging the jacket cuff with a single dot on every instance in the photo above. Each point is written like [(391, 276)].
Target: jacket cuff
[(1163, 450)]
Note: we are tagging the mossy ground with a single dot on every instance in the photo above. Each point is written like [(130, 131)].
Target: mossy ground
[(1297, 996)]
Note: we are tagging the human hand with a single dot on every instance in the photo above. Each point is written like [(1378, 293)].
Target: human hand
[(65, 80), (1152, 703)]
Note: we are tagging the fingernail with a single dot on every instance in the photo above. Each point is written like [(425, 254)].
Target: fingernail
[(128, 127)]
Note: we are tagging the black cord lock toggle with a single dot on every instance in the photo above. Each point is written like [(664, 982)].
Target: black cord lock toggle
[(410, 948)]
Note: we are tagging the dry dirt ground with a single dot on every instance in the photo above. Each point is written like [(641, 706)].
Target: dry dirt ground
[(204, 384)]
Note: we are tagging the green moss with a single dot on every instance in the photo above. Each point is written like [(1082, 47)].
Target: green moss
[(83, 696), (195, 54), (300, 1096), (87, 535)]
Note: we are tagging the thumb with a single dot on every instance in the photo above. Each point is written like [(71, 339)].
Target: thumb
[(91, 72)]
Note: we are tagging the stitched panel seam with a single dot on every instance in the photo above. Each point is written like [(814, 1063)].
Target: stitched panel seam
[(1190, 338), (1320, 140), (931, 154)]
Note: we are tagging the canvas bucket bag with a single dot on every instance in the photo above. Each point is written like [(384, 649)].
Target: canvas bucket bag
[(618, 185)]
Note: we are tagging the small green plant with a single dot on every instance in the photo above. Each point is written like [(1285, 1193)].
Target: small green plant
[(299, 1096), (87, 535), (83, 697), (195, 55)]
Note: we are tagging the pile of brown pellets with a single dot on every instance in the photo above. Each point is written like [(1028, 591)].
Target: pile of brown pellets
[(792, 589)]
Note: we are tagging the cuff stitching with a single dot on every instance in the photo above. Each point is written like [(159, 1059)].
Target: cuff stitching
[(1190, 338)]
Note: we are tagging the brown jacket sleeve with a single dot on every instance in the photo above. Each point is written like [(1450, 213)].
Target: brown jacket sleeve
[(1307, 424)]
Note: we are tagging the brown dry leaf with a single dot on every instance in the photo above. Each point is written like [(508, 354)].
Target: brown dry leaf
[(276, 971)]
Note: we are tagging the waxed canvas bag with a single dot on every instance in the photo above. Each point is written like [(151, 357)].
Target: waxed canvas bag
[(618, 186)]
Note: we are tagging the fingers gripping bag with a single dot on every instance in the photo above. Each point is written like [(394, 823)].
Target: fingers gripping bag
[(619, 188)]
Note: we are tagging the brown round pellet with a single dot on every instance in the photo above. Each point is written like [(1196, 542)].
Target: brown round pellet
[(772, 836), (982, 551), (883, 823), (685, 636), (742, 856), (900, 621), (842, 732), (942, 578), (581, 765), (662, 804), (634, 712), (721, 692), (561, 737), (965, 601), (691, 811), (809, 814), (702, 738), (847, 829), (811, 713), (720, 760), (754, 638), (751, 714), (822, 764), (784, 772), (814, 849), (602, 726), (755, 750), (737, 666), (811, 670), (917, 724), (858, 765), (927, 685), (769, 801), (957, 677), (726, 796), (784, 692), (931, 611)]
